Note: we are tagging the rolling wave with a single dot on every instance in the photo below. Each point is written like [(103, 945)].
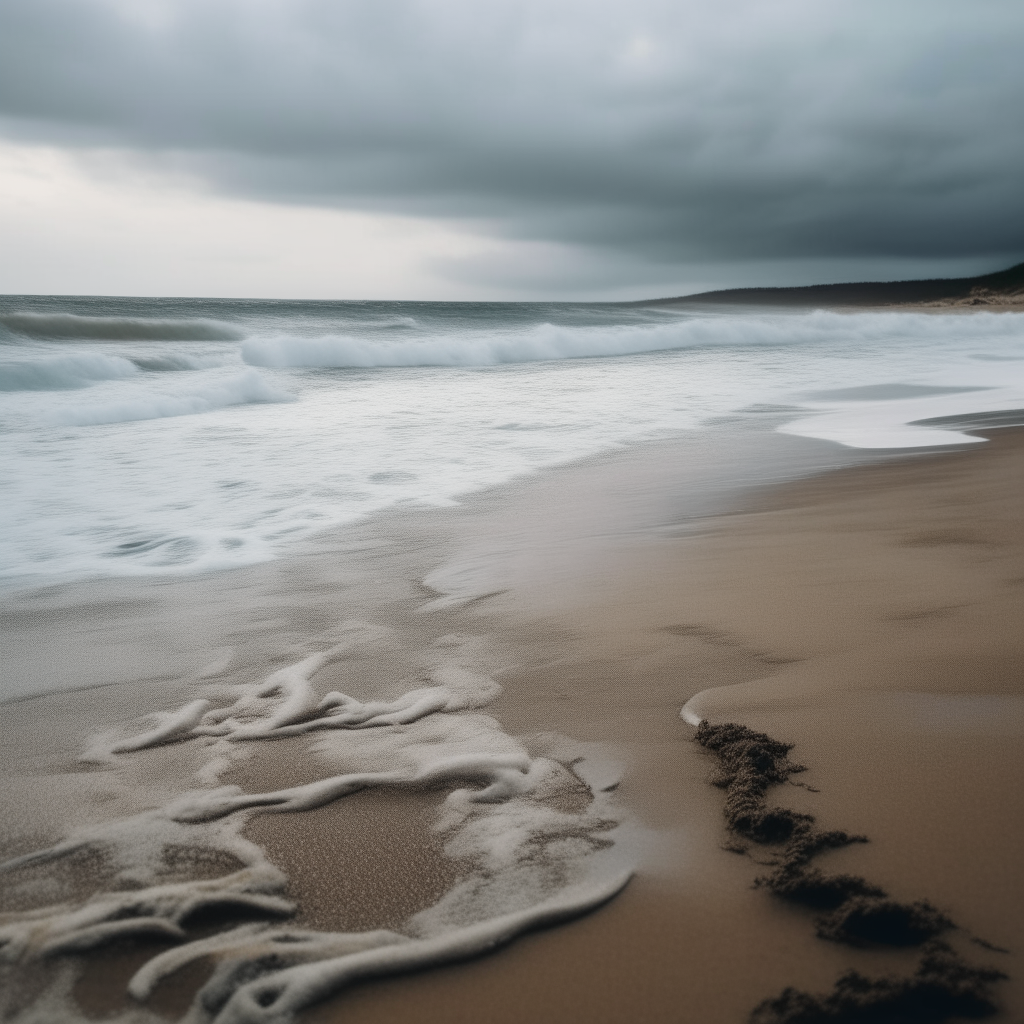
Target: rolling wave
[(246, 388), (550, 341), (118, 328), (58, 373), (173, 363)]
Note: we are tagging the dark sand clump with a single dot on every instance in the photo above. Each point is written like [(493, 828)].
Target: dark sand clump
[(859, 913), (943, 986)]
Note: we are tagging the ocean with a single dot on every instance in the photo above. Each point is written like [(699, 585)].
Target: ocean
[(169, 436)]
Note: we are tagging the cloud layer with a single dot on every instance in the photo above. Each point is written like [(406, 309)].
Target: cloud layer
[(643, 135)]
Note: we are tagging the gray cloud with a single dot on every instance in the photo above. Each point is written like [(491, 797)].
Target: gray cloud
[(649, 134)]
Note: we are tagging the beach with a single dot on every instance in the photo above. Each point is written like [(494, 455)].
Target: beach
[(867, 613), (509, 517), (869, 616)]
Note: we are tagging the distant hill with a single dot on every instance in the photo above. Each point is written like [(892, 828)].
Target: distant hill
[(1005, 288)]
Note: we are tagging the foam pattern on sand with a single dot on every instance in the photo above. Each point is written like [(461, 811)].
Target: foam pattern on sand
[(136, 845), (527, 860)]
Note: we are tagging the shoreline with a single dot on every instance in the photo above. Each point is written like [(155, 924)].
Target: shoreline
[(604, 635), (139, 619)]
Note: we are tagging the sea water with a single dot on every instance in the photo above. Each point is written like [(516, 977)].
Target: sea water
[(144, 436)]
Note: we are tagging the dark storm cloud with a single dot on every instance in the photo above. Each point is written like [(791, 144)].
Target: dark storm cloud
[(658, 133)]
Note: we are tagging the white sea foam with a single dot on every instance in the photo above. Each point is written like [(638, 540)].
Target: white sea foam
[(136, 846), (526, 862), (169, 727), (503, 396), (245, 388), (70, 370), (904, 422), (283, 993), (689, 713)]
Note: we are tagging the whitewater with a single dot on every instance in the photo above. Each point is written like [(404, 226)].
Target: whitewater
[(154, 436)]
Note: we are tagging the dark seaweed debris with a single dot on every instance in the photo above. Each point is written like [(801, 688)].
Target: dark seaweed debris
[(858, 913), (943, 986), (875, 920)]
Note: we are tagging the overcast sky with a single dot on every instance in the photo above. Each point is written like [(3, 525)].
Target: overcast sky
[(505, 148)]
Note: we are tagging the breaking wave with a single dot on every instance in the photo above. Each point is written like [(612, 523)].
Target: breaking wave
[(58, 373), (550, 341), (246, 388), (118, 328), (173, 363)]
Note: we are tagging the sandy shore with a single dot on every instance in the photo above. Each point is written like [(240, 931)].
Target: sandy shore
[(870, 615)]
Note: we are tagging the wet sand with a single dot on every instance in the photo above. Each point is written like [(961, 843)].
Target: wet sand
[(870, 615)]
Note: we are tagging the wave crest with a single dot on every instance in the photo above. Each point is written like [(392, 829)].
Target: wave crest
[(118, 328), (244, 389), (542, 343), (174, 363), (550, 341), (58, 373)]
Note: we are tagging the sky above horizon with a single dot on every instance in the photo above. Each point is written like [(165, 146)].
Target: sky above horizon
[(515, 149)]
